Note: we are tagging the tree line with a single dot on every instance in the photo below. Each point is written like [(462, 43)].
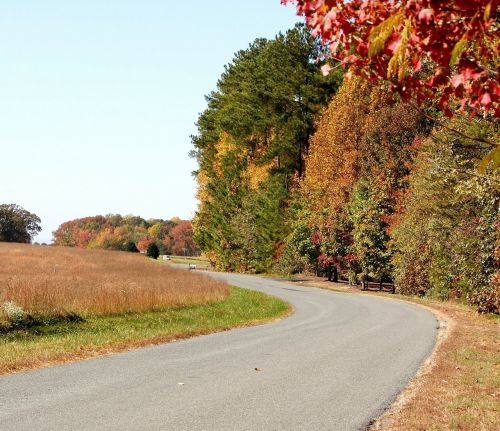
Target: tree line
[(111, 232), (128, 233), (301, 172)]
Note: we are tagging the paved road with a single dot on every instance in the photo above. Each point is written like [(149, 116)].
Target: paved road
[(333, 365)]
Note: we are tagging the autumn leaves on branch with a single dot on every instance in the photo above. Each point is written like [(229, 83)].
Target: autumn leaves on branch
[(423, 48)]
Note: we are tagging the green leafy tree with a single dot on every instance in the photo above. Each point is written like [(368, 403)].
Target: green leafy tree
[(300, 252), (370, 239), (17, 224), (447, 232), (301, 247)]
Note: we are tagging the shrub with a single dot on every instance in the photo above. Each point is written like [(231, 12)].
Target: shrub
[(13, 312), (153, 251), (487, 300), (131, 247)]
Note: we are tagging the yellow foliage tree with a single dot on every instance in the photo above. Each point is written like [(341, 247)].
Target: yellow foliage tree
[(362, 133), (332, 163)]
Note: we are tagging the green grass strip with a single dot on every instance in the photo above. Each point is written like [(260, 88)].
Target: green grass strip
[(48, 344)]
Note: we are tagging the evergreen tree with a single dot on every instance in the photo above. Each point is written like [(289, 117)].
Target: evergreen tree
[(251, 141), (153, 251), (131, 247)]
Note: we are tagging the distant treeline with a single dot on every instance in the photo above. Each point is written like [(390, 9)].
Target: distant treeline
[(127, 233)]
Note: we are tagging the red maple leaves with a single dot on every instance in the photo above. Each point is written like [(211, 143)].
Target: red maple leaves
[(426, 49)]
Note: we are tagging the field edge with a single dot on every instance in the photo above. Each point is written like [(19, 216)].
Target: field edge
[(90, 352)]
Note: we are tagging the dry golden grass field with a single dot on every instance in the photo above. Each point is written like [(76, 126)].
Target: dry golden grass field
[(63, 304), (59, 281)]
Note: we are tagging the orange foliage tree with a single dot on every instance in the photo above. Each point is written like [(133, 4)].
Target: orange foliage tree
[(361, 135), (182, 239)]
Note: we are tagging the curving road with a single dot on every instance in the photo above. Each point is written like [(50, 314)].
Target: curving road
[(335, 364)]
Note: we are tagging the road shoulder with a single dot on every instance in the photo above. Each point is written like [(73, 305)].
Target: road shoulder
[(457, 385)]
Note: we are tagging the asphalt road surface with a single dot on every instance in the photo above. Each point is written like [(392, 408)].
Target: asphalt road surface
[(334, 364)]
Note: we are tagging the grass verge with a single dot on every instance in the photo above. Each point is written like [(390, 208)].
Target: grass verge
[(459, 386), (189, 260), (43, 345)]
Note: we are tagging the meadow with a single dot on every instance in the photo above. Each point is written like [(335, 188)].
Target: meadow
[(60, 304), (62, 281)]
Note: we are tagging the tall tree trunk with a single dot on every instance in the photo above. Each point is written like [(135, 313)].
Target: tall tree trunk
[(335, 274)]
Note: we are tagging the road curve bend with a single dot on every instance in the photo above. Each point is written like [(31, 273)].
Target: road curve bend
[(334, 364)]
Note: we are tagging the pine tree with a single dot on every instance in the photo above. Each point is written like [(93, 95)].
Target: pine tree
[(251, 141), (153, 251)]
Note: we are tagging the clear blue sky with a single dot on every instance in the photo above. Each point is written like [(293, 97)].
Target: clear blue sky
[(98, 99)]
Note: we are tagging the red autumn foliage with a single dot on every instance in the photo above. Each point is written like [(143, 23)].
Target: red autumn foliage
[(116, 232), (144, 243), (426, 49), (182, 238), (79, 232), (316, 238)]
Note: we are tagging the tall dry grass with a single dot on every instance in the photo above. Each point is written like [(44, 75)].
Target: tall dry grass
[(53, 281)]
